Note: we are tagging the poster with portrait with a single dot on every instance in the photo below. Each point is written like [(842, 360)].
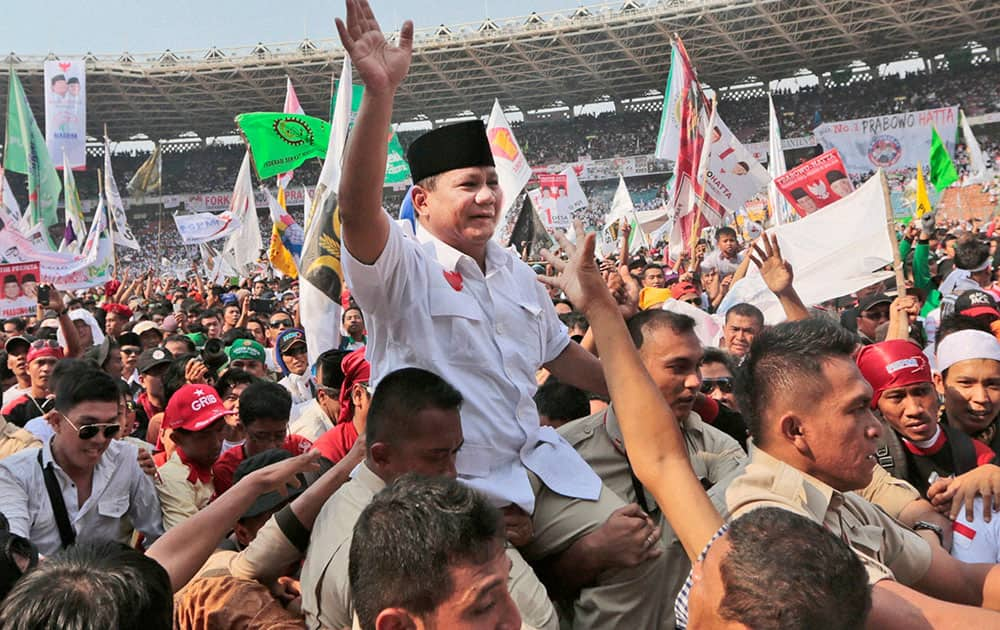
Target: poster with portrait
[(816, 183), (66, 112), (20, 289)]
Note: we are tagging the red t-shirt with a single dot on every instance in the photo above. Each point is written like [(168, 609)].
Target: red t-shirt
[(335, 443), (225, 466)]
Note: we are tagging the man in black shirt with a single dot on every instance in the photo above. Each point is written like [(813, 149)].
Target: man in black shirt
[(42, 357)]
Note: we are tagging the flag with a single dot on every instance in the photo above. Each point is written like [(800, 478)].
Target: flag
[(397, 169), (775, 166), (122, 233), (25, 152), (285, 247), (622, 209), (319, 304), (242, 249), (292, 106), (10, 211), (147, 180), (406, 211), (977, 164), (280, 142), (923, 205), (76, 227), (204, 227), (942, 170), (512, 166)]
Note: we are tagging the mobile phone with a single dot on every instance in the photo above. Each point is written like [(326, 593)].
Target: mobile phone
[(262, 307), (44, 292)]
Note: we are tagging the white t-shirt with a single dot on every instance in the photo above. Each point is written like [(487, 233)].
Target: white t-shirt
[(976, 540)]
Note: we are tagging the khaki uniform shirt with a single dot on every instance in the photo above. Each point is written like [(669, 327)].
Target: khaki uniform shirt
[(13, 439), (714, 456), (888, 549), (180, 497)]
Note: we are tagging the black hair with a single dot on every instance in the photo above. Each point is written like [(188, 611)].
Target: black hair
[(399, 397), (231, 378), (575, 319), (716, 355), (264, 399), (955, 323), (209, 313), (798, 193), (789, 357), (92, 586), (746, 310), (176, 375), (407, 538), (784, 571), (651, 266), (724, 231), (76, 381), (19, 324), (234, 334), (561, 402), (329, 371), (970, 253), (191, 347), (645, 322), (832, 176), (14, 549)]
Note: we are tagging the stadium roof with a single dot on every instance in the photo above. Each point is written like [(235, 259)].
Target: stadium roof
[(574, 57)]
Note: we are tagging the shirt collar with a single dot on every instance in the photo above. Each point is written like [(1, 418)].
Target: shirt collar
[(364, 476), (449, 257), (692, 422), (195, 472), (812, 494)]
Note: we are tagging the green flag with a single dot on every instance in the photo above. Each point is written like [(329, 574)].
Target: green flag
[(25, 152), (942, 170), (397, 169), (281, 142)]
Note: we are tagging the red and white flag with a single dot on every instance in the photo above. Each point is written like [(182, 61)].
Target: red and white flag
[(292, 106)]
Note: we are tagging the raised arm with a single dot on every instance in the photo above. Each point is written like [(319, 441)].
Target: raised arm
[(365, 227), (652, 434), (777, 275)]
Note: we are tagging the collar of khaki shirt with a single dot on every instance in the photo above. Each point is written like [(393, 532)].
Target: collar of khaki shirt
[(692, 423), (800, 488), (364, 475), (449, 257)]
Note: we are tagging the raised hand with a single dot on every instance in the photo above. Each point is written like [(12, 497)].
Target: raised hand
[(775, 270), (382, 67), (578, 278)]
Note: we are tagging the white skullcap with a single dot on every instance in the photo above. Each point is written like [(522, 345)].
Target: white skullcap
[(965, 345)]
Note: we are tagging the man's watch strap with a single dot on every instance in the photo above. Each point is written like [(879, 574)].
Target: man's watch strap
[(931, 527)]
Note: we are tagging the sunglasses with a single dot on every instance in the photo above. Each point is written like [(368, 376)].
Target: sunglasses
[(90, 431), (287, 323), (725, 385), (44, 343)]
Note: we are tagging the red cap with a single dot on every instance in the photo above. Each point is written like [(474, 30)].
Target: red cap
[(193, 408), (46, 350), (683, 289), (356, 370), (891, 364)]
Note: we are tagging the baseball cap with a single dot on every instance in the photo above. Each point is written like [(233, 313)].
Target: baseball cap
[(194, 407), (152, 358), (246, 349), (44, 348), (289, 338), (99, 353), (271, 500), (229, 298), (17, 340), (683, 289), (169, 324), (974, 303), (872, 300), (146, 326)]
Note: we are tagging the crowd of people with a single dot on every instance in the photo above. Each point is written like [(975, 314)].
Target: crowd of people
[(495, 441)]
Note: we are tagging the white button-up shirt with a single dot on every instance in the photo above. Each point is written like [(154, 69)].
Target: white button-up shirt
[(120, 490), (487, 339)]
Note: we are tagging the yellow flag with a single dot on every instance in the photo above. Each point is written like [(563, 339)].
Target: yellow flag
[(923, 201), (277, 253)]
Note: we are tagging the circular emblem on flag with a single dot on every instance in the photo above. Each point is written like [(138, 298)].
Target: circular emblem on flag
[(884, 151), (293, 131)]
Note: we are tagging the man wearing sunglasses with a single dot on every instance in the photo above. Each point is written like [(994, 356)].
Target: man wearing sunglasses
[(82, 485)]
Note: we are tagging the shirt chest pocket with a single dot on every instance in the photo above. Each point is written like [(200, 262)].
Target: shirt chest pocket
[(458, 327), (112, 507), (866, 539)]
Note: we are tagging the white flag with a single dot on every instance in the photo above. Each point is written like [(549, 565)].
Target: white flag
[(10, 211), (512, 167), (203, 227), (977, 165), (123, 235), (775, 167), (76, 228), (815, 246), (621, 204), (242, 249)]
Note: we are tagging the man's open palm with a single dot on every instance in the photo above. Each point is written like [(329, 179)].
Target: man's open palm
[(382, 67)]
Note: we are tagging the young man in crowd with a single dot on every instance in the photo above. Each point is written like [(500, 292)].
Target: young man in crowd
[(353, 323), (718, 378), (354, 402), (17, 347), (41, 358), (82, 485), (152, 366), (130, 347), (249, 356), (292, 356), (559, 404), (968, 362), (230, 386), (873, 311), (150, 335), (320, 415), (263, 412), (414, 427), (196, 418), (211, 321)]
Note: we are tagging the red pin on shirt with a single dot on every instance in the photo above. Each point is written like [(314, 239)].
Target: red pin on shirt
[(454, 279)]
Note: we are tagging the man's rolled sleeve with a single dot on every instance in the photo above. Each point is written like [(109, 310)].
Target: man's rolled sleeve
[(144, 505), (267, 557)]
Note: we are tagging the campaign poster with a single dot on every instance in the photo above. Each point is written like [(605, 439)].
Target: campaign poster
[(894, 142), (816, 183), (66, 111), (551, 201), (20, 289)]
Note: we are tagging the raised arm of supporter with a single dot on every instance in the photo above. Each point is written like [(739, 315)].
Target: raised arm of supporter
[(742, 269), (652, 433), (151, 279), (631, 294), (921, 263), (903, 313), (122, 287), (198, 281), (185, 547), (382, 67), (66, 325), (244, 312), (626, 228), (777, 275)]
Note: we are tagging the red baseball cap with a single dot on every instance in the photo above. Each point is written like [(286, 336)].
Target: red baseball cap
[(683, 289), (194, 408)]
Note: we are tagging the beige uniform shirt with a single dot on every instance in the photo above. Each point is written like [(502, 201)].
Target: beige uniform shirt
[(888, 549), (14, 439), (180, 497), (714, 456)]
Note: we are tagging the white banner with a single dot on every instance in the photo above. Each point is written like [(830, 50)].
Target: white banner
[(66, 271), (203, 227), (732, 176), (66, 111), (893, 143), (513, 170)]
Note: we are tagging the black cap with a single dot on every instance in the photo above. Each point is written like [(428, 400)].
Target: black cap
[(129, 339), (17, 339), (446, 148), (872, 300), (975, 303), (152, 358), (273, 499)]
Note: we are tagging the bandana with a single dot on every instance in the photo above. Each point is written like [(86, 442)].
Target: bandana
[(965, 345), (891, 364), (356, 370), (118, 309)]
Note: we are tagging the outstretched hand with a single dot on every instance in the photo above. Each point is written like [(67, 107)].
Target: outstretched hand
[(579, 278), (775, 270), (382, 67)]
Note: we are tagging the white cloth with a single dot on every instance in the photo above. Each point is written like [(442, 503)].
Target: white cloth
[(120, 491), (13, 392), (300, 387), (311, 423), (958, 282), (84, 315), (487, 340), (725, 266), (976, 540), (40, 428), (965, 345)]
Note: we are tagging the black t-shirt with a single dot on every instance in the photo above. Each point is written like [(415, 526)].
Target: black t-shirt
[(25, 408)]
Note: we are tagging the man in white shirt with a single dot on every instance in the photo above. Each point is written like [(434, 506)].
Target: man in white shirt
[(17, 352), (96, 481), (455, 302)]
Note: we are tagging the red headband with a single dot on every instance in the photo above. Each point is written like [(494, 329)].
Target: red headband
[(118, 309), (891, 364), (356, 370)]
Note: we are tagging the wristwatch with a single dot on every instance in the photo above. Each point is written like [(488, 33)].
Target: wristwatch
[(931, 527)]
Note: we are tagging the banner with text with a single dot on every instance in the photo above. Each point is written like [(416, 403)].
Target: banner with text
[(816, 183), (894, 142), (203, 227), (66, 111), (20, 289)]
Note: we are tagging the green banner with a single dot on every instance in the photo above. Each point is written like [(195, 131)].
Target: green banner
[(397, 169), (281, 142), (25, 152)]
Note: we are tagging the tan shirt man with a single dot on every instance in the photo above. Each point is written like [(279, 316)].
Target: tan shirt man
[(182, 493), (714, 456), (14, 439), (888, 549), (326, 593)]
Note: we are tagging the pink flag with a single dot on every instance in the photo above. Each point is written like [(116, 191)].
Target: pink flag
[(292, 106)]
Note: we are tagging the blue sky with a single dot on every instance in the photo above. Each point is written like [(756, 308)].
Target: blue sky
[(110, 26)]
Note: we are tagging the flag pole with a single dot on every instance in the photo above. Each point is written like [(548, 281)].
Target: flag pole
[(706, 153), (159, 210), (897, 260)]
